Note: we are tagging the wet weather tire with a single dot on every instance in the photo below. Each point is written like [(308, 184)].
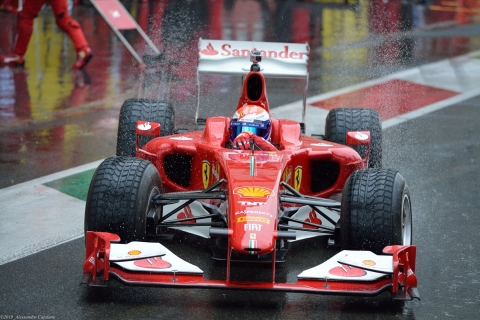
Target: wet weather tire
[(376, 211), (146, 110), (119, 196), (340, 121)]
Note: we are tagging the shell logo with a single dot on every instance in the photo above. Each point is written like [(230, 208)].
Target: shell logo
[(134, 252), (369, 263), (254, 192)]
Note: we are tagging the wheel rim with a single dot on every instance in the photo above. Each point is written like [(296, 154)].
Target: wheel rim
[(406, 221)]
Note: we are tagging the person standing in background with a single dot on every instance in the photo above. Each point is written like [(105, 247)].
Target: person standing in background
[(70, 26)]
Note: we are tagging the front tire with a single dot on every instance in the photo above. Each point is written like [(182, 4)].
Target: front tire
[(118, 199), (376, 211)]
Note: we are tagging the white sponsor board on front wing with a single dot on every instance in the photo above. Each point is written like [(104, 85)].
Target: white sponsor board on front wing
[(164, 262), (135, 250), (333, 269)]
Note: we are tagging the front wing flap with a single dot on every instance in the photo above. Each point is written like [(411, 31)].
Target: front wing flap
[(346, 273)]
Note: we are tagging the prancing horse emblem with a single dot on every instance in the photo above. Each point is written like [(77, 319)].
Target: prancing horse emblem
[(206, 174), (297, 180)]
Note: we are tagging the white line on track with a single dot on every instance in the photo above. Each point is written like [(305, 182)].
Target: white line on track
[(430, 108), (460, 74), (34, 217)]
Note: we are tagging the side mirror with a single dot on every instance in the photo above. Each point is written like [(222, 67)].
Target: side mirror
[(145, 128), (357, 138)]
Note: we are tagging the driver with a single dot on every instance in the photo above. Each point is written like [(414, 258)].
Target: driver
[(251, 126)]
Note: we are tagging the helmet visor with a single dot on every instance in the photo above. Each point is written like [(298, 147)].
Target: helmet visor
[(260, 129)]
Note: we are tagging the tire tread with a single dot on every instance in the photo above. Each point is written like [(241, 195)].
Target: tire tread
[(113, 195), (368, 198)]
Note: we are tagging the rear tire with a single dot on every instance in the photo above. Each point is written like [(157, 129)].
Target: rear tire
[(118, 199), (376, 211), (340, 121), (146, 110)]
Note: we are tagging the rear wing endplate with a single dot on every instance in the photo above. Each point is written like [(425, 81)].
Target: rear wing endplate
[(228, 57)]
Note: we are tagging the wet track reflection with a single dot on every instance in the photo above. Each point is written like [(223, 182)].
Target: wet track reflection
[(349, 44), (52, 118)]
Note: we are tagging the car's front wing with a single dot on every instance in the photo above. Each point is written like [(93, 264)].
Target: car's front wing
[(347, 273)]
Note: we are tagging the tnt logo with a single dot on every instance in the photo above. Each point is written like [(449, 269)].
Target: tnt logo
[(251, 204)]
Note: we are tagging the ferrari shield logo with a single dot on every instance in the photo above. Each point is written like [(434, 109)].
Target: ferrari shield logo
[(297, 180), (206, 174)]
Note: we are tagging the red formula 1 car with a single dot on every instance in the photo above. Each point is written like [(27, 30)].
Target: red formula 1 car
[(253, 202)]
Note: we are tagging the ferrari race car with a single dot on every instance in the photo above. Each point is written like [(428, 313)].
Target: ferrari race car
[(252, 202)]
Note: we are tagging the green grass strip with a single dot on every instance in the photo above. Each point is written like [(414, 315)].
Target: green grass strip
[(75, 185)]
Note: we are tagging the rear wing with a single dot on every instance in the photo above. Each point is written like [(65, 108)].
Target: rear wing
[(228, 57)]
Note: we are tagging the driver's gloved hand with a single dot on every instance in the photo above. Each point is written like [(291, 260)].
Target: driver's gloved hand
[(245, 140), (242, 141)]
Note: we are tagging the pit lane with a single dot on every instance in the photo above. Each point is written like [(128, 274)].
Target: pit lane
[(438, 155)]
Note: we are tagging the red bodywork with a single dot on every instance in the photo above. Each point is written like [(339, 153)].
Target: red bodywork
[(253, 177)]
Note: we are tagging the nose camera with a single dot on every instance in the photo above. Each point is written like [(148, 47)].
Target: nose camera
[(255, 56)]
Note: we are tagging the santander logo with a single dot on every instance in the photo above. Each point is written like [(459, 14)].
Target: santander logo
[(312, 218), (209, 51), (227, 51), (153, 263), (187, 213), (347, 271)]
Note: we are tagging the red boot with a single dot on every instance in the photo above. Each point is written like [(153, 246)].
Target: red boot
[(83, 57), (13, 59)]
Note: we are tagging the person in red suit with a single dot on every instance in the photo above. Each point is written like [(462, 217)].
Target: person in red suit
[(250, 127), (64, 21)]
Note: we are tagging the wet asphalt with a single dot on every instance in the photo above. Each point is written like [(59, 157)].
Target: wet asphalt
[(438, 155)]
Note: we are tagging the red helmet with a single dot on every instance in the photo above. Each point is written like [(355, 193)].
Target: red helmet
[(250, 118)]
